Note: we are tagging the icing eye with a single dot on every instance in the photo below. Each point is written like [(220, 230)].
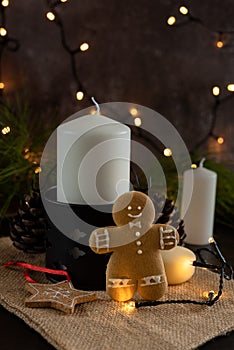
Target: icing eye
[(129, 207), (139, 207)]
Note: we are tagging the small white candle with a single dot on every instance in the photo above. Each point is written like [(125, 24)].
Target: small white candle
[(178, 264), (198, 214), (93, 160)]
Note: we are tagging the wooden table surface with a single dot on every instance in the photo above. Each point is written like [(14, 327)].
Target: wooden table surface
[(15, 334)]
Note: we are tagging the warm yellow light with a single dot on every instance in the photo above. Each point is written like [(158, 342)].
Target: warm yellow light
[(194, 166), (129, 306), (6, 130), (63, 0), (171, 20), (93, 111), (216, 90), (167, 152), (3, 31), (230, 87), (137, 121), (79, 95), (84, 47), (2, 85), (183, 10), (211, 240), (210, 293), (219, 44), (134, 112), (50, 16), (5, 3), (37, 170), (220, 140)]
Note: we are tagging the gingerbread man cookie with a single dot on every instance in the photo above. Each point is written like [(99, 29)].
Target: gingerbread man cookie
[(135, 263)]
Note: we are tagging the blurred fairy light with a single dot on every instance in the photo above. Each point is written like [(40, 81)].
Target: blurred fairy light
[(216, 90), (3, 31), (37, 170), (137, 121), (167, 152), (171, 20), (79, 95), (183, 10), (2, 85), (219, 44), (220, 140), (194, 166), (50, 16), (230, 87), (6, 130), (5, 3), (134, 112), (84, 47)]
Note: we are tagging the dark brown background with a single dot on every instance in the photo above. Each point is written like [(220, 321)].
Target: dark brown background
[(134, 57)]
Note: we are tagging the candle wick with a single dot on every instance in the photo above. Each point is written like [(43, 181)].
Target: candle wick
[(96, 105), (202, 162)]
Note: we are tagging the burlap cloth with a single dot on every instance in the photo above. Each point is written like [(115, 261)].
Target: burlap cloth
[(106, 324)]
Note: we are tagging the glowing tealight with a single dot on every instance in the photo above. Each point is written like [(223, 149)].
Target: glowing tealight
[(230, 87), (50, 16), (219, 44), (183, 10), (220, 140), (84, 47), (6, 130), (3, 31), (171, 20), (137, 121), (194, 166), (134, 112), (79, 95), (178, 263), (216, 90), (2, 85), (63, 0), (167, 152)]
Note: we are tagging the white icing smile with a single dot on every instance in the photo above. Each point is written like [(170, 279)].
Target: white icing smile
[(135, 216)]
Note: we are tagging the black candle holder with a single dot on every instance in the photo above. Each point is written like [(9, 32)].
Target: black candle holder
[(86, 269)]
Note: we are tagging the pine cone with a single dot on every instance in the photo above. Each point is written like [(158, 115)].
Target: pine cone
[(167, 214), (28, 227)]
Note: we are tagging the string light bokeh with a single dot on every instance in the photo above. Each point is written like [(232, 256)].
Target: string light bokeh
[(6, 41), (54, 16), (184, 17)]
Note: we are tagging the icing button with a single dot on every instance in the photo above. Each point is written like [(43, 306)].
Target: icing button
[(137, 234), (139, 251), (138, 243)]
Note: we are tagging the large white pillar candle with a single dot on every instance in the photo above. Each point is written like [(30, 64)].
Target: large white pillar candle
[(178, 263), (198, 214), (93, 160)]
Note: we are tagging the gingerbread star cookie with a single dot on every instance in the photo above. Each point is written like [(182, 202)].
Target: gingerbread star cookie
[(61, 296)]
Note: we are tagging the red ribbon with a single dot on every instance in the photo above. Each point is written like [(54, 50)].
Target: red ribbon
[(36, 268)]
